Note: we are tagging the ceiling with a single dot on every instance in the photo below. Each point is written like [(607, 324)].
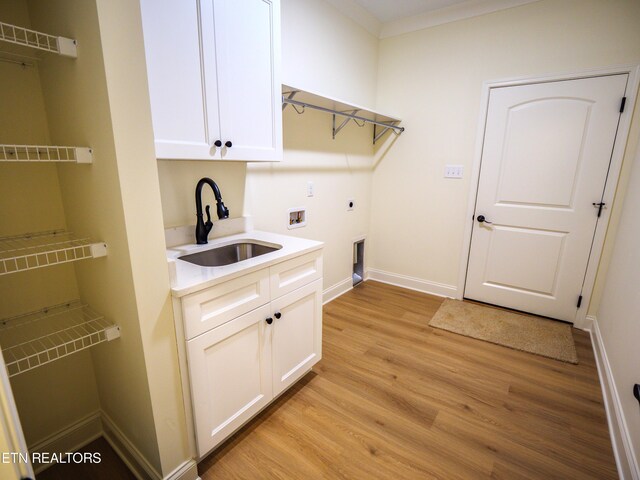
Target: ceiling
[(387, 11), (387, 18)]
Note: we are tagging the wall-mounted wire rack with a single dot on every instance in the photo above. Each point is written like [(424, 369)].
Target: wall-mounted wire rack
[(37, 250), (302, 99), (38, 40), (37, 338), (45, 153)]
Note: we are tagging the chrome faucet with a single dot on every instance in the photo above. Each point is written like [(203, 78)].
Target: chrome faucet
[(203, 228)]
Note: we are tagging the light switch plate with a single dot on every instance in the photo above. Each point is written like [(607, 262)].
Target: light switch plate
[(453, 171)]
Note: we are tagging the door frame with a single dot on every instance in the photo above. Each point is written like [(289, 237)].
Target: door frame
[(611, 183)]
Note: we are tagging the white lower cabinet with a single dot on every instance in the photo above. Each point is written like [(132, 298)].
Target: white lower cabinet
[(238, 367)]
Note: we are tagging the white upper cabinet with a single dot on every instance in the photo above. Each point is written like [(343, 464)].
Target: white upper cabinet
[(214, 78)]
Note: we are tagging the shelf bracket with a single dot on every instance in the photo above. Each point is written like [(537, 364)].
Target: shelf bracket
[(289, 97), (344, 122), (393, 127)]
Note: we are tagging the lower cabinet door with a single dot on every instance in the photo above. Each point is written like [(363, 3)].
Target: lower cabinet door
[(231, 376), (297, 334)]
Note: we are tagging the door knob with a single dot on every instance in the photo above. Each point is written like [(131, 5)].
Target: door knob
[(269, 320), (277, 314), (217, 143), (482, 219), (228, 144)]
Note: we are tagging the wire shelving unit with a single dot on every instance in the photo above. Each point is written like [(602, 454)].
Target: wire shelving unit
[(38, 40), (45, 153), (37, 338), (37, 250)]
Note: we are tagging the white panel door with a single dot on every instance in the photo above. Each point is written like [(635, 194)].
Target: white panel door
[(297, 334), (230, 373), (248, 65), (545, 159)]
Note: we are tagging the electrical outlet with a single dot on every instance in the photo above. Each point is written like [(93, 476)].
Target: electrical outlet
[(310, 189), (351, 204), (453, 171)]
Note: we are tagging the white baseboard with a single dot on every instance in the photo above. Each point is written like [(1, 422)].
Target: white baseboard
[(187, 471), (69, 439), (127, 451), (336, 290), (412, 283), (135, 460), (620, 436)]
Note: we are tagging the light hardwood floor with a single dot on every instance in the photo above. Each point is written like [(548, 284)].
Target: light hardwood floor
[(394, 398)]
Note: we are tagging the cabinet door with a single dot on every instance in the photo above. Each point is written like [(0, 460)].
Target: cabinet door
[(230, 374), (182, 93), (297, 334), (248, 62)]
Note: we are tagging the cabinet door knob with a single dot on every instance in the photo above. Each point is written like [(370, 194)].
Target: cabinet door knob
[(228, 144), (277, 314), (269, 320), (217, 143)]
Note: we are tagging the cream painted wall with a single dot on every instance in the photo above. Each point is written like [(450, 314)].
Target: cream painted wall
[(618, 313), (178, 181), (324, 51), (432, 78), (340, 169), (137, 168), (31, 202)]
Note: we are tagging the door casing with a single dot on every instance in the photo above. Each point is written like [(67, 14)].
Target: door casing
[(633, 71)]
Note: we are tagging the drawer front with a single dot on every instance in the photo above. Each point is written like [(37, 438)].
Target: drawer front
[(295, 273), (214, 306)]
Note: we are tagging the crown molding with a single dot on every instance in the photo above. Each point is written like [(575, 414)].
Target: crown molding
[(468, 9)]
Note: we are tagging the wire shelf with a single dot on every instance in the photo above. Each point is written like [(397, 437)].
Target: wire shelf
[(41, 41), (37, 250), (37, 338), (44, 153)]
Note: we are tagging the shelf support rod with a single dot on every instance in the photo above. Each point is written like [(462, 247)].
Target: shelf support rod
[(396, 128)]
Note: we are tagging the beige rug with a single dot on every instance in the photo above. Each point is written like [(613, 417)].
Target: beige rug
[(519, 331)]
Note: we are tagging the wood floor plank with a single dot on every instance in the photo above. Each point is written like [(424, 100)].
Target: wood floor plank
[(395, 398)]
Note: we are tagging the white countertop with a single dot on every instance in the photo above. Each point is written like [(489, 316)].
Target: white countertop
[(188, 278)]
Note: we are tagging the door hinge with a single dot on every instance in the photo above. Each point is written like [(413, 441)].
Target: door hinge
[(579, 301), (624, 100)]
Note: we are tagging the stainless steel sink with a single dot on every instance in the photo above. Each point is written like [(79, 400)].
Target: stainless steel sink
[(228, 254)]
